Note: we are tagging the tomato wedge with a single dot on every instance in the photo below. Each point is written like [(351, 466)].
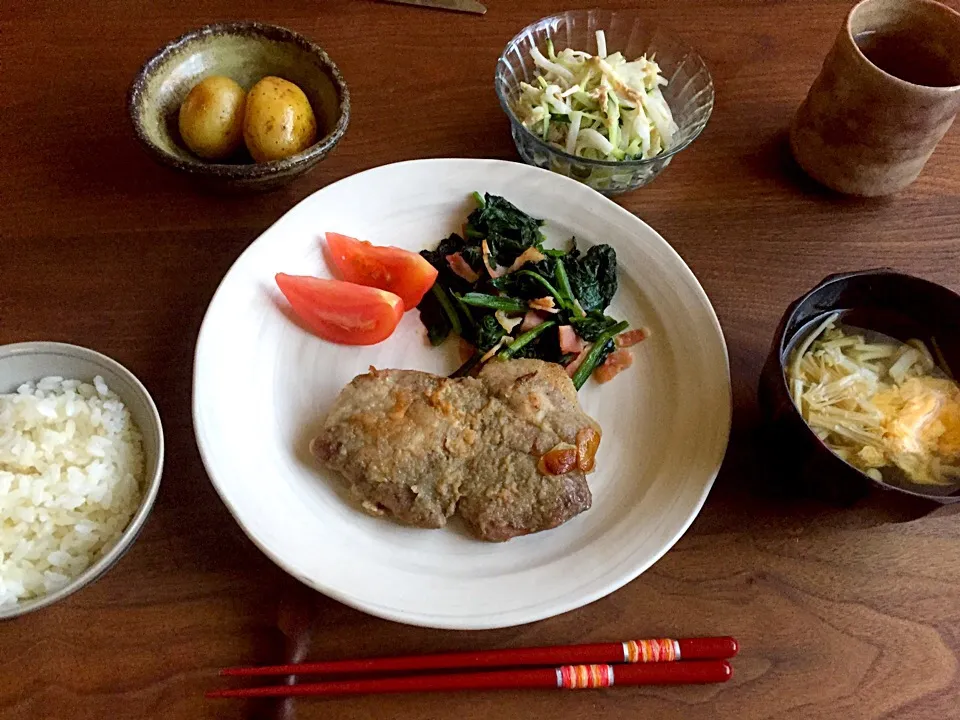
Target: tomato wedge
[(398, 271), (342, 312)]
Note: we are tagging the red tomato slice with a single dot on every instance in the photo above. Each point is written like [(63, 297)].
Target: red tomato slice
[(342, 312), (398, 271)]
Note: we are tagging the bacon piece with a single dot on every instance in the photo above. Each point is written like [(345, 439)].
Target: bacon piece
[(507, 323), (631, 337), (570, 342), (494, 270), (545, 303), (466, 350), (462, 268), (616, 362), (578, 360), (532, 319), (530, 255)]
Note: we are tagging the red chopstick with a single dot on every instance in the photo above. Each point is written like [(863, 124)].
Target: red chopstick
[(632, 651), (571, 677)]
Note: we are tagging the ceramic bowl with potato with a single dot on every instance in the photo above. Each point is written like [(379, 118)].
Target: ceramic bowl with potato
[(240, 105)]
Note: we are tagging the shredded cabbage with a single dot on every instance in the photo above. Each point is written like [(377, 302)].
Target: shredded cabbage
[(599, 107), (879, 404)]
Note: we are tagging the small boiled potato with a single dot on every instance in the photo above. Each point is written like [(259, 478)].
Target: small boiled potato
[(279, 121), (211, 118)]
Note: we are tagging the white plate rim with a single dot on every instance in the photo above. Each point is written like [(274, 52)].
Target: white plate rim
[(447, 622)]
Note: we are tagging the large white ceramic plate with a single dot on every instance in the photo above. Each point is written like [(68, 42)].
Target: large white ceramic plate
[(262, 386)]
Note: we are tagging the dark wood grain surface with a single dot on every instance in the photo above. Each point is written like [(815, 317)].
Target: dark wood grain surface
[(841, 614)]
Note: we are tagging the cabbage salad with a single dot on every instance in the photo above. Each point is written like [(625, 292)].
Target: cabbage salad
[(599, 107)]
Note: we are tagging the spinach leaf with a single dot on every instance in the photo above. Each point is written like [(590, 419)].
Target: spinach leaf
[(598, 353), (593, 277), (465, 308), (589, 328), (508, 230), (521, 284), (474, 257), (527, 338), (434, 318), (493, 302), (486, 333), (566, 292), (438, 258), (608, 347), (545, 346)]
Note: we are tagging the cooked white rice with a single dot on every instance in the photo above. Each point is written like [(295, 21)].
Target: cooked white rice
[(71, 467)]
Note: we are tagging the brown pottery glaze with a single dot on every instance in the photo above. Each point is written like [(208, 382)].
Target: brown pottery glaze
[(864, 130), (245, 52)]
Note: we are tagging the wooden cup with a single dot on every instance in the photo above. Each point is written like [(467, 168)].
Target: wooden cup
[(864, 131)]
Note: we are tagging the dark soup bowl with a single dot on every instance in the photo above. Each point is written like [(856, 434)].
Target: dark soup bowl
[(884, 301)]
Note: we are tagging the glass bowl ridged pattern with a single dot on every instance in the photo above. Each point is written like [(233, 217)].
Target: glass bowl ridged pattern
[(689, 93)]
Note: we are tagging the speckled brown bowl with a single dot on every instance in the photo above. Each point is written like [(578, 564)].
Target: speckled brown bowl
[(246, 52), (862, 131), (898, 305)]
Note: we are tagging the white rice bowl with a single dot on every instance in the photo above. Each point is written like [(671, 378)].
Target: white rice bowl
[(71, 478)]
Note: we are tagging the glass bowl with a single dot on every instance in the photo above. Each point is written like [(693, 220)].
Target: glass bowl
[(689, 92)]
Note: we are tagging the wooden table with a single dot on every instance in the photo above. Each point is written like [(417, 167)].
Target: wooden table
[(841, 614)]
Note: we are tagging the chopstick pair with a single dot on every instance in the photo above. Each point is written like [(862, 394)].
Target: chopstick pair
[(634, 662)]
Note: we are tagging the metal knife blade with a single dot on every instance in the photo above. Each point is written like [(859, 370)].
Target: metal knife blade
[(467, 6)]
